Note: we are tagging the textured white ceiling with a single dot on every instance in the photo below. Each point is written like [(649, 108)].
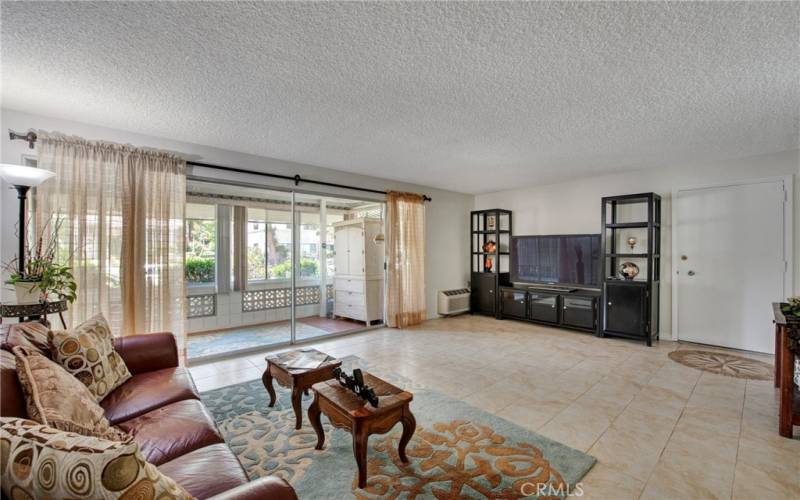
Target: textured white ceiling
[(471, 97)]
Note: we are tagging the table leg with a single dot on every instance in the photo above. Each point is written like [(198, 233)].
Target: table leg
[(360, 440), (297, 395), (316, 422), (267, 380), (61, 316), (777, 381), (787, 389), (409, 426)]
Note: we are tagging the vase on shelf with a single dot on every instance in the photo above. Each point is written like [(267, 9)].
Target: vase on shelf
[(628, 270)]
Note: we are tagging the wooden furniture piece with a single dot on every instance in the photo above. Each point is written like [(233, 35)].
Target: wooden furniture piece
[(569, 308), (630, 307), (298, 380), (787, 344), (485, 226), (31, 312), (358, 284), (347, 411)]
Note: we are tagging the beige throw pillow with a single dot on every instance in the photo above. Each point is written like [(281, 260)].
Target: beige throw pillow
[(87, 352), (37, 461), (55, 398)]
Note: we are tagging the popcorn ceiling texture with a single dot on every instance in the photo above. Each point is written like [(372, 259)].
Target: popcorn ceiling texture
[(471, 97)]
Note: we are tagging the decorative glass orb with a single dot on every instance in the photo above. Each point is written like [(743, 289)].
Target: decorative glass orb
[(628, 270)]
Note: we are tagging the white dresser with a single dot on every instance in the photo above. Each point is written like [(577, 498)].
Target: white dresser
[(358, 282)]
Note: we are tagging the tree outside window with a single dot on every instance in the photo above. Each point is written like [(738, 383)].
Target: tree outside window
[(201, 243)]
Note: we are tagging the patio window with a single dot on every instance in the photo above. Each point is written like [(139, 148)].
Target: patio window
[(269, 245), (201, 244)]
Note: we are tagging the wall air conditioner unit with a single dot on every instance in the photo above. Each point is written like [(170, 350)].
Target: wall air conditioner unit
[(453, 301)]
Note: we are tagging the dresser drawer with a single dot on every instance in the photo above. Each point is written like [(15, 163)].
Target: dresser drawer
[(349, 298), (350, 311), (349, 285)]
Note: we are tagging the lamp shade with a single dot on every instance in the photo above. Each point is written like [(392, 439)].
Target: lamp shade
[(18, 175)]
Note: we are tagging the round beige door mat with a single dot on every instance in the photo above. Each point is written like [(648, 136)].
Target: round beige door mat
[(720, 363)]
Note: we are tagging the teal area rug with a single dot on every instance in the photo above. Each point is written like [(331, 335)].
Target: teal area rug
[(457, 451)]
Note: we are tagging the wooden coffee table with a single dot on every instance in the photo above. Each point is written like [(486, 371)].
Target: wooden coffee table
[(349, 412), (298, 380)]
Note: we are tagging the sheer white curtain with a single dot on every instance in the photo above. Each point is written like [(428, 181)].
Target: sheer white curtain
[(122, 214), (405, 247)]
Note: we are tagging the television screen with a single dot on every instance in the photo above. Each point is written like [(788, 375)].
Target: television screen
[(556, 259)]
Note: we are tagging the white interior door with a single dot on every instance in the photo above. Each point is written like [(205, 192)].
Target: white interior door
[(730, 263)]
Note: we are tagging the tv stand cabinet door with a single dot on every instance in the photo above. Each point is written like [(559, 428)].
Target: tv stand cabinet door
[(579, 312), (543, 306), (513, 303)]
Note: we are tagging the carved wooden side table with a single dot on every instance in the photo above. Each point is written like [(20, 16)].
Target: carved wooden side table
[(347, 411), (298, 380)]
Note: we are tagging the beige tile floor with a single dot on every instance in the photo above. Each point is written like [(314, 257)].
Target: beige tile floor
[(658, 429)]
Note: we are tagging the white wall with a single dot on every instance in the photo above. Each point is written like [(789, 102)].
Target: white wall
[(574, 206), (447, 261)]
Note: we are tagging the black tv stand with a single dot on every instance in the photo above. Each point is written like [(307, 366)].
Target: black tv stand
[(574, 308), (549, 288)]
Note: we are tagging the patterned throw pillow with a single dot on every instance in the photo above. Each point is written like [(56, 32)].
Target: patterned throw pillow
[(30, 334), (37, 461), (87, 352), (55, 398)]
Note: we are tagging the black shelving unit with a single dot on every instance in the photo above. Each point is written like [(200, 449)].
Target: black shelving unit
[(489, 225), (630, 306)]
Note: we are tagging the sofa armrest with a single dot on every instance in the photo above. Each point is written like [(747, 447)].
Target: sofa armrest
[(264, 488), (148, 352)]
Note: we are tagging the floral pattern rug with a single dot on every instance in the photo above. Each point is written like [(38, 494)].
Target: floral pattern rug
[(457, 451)]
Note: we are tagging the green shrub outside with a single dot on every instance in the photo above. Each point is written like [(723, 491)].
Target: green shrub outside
[(199, 269), (308, 268)]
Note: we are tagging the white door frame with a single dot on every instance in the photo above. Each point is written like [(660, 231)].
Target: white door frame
[(788, 234)]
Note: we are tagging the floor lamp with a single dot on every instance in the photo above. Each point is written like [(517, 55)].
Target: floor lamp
[(22, 179)]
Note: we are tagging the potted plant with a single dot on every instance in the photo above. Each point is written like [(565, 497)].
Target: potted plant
[(791, 309), (41, 276)]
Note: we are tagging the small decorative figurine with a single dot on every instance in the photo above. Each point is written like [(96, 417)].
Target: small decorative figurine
[(356, 384), (631, 241)]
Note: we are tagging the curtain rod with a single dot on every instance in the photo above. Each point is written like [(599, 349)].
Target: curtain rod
[(30, 137)]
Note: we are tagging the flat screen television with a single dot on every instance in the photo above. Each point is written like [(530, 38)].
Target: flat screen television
[(561, 259)]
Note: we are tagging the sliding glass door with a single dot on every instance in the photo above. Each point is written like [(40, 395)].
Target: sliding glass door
[(267, 267)]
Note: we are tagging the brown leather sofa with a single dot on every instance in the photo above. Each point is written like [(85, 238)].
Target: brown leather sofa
[(161, 408)]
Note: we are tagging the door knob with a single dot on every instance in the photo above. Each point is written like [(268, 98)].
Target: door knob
[(690, 273)]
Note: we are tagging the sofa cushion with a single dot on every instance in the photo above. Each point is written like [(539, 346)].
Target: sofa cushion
[(206, 472), (55, 398), (87, 352), (12, 400), (29, 334), (42, 462), (147, 391), (173, 430)]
